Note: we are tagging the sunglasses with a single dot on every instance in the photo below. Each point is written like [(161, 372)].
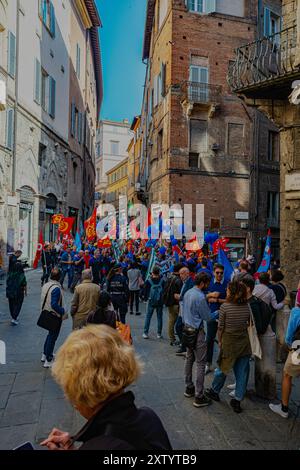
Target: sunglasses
[(219, 272)]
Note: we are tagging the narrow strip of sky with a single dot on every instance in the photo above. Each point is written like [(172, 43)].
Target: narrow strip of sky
[(121, 49)]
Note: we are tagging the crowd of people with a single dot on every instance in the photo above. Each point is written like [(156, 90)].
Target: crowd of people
[(204, 308)]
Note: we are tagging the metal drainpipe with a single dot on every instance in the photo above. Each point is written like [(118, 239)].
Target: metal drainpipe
[(14, 154)]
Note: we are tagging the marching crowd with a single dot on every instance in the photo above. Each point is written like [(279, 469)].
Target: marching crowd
[(204, 308)]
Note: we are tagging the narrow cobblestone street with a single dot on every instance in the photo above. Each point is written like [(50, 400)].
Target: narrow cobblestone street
[(31, 404)]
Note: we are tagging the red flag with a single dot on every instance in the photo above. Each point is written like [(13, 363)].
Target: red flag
[(57, 218), (90, 226), (39, 251), (66, 225)]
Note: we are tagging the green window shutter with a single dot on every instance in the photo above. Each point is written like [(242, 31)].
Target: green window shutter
[(37, 82), (52, 97), (11, 54), (267, 21), (52, 20), (73, 120), (10, 128)]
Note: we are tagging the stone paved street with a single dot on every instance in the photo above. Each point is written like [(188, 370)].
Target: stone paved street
[(31, 403)]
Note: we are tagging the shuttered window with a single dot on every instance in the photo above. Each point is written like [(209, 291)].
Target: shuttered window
[(79, 128), (10, 128), (52, 19), (163, 79), (78, 61), (235, 139), (198, 136), (47, 15), (37, 82), (202, 6), (11, 59), (52, 97), (73, 131)]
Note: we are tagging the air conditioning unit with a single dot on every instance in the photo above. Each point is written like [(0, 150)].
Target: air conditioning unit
[(244, 225), (215, 147)]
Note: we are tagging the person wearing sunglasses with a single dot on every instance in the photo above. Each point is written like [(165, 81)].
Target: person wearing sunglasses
[(218, 284)]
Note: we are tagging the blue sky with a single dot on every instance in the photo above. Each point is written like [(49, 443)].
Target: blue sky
[(121, 48)]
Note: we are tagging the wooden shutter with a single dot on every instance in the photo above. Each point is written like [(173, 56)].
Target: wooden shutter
[(10, 128), (37, 82), (73, 120), (79, 127), (210, 6), (267, 21), (52, 93), (163, 79), (78, 61), (52, 20), (11, 54)]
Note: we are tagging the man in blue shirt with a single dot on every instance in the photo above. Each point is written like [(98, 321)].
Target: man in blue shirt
[(217, 284), (66, 262), (187, 284), (292, 365), (195, 311), (203, 268)]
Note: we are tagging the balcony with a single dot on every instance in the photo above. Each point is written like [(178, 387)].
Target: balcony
[(266, 68), (195, 94)]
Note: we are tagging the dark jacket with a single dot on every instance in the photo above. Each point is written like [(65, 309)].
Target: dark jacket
[(120, 425), (189, 284), (173, 286), (117, 286)]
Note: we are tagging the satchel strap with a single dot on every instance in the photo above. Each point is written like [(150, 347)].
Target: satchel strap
[(44, 303)]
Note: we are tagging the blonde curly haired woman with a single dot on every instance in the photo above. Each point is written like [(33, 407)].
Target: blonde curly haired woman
[(94, 367)]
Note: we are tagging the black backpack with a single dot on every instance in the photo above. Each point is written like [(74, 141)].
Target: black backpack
[(265, 316)]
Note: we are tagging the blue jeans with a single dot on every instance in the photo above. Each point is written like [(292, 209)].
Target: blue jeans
[(150, 311), (50, 344), (70, 277), (241, 371)]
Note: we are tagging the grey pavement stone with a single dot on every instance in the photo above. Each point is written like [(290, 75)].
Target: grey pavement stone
[(14, 436), (7, 379), (22, 408), (54, 414), (28, 382), (4, 394)]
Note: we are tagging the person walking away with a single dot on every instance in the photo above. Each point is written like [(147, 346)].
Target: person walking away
[(265, 293), (154, 288), (292, 365), (187, 284), (47, 262), (16, 286), (280, 292), (104, 313), (66, 262), (85, 299), (217, 284), (52, 301), (235, 348), (79, 265), (95, 265), (173, 286), (135, 282), (117, 286), (195, 311)]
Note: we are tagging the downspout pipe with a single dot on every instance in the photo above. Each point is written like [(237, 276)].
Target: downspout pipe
[(14, 153)]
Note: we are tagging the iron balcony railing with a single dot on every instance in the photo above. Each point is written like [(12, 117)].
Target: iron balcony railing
[(202, 93), (264, 60)]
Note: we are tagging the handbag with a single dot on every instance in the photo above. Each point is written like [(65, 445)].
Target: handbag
[(253, 337), (189, 336), (49, 321)]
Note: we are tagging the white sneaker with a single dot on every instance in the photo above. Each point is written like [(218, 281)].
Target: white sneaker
[(232, 394), (145, 336), (278, 410), (48, 365), (14, 322), (208, 369), (43, 358), (159, 336), (231, 387)]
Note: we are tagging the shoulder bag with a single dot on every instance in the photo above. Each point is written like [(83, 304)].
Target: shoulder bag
[(48, 320), (253, 337)]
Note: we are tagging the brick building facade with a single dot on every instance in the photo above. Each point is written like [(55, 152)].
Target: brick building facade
[(201, 143)]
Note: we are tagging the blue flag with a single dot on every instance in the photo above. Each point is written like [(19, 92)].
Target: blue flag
[(266, 261), (228, 269), (77, 242)]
